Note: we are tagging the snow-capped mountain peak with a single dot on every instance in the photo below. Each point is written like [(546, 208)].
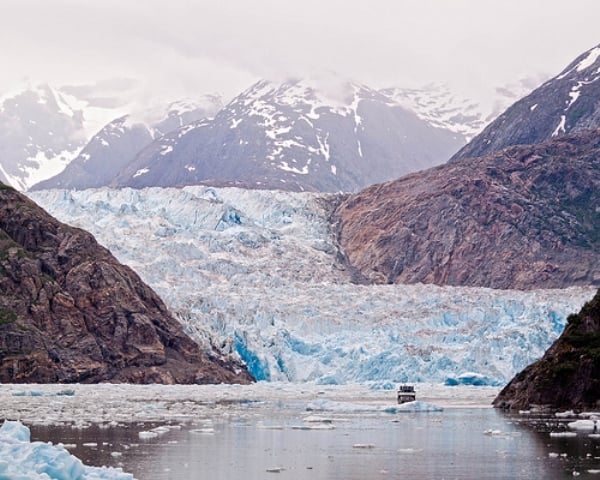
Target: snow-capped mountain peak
[(567, 103), (41, 133), (116, 144), (301, 134)]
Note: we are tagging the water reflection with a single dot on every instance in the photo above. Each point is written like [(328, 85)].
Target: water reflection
[(458, 443), (577, 455)]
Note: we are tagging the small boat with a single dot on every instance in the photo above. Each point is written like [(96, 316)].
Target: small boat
[(406, 393)]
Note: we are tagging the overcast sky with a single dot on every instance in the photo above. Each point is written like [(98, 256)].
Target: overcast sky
[(180, 47)]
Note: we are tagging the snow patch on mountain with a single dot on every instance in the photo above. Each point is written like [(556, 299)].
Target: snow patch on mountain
[(40, 133), (442, 107), (256, 272)]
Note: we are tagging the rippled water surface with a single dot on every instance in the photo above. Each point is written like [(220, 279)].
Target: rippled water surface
[(324, 434)]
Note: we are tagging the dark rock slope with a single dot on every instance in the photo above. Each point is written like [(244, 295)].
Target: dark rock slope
[(526, 217), (568, 375), (69, 312), (567, 103)]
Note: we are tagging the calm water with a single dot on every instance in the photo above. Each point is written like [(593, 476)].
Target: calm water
[(265, 442)]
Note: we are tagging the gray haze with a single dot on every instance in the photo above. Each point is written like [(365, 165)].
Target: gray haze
[(179, 48)]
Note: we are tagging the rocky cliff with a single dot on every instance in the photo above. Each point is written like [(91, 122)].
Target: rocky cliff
[(69, 312), (526, 217), (568, 375)]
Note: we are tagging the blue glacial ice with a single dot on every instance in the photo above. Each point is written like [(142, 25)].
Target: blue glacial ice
[(21, 459), (255, 274)]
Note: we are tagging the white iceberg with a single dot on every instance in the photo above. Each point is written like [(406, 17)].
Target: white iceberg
[(347, 407), (22, 459), (587, 425)]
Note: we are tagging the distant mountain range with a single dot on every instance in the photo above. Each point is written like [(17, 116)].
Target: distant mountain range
[(520, 217), (439, 106), (567, 103), (359, 135), (40, 133), (295, 136), (115, 145)]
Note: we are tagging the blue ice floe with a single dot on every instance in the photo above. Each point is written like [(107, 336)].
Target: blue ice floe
[(20, 458)]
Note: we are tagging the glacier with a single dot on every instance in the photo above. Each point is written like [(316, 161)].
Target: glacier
[(256, 273)]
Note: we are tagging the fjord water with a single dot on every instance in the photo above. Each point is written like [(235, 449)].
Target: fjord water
[(306, 433)]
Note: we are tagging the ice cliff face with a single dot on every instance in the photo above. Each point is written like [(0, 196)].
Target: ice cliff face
[(257, 273)]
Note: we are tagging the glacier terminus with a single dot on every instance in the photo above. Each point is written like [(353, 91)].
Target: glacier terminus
[(257, 273)]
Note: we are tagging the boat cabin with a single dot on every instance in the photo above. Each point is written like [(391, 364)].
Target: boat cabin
[(406, 393)]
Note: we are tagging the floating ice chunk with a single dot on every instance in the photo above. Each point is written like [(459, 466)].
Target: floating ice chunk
[(330, 405), (566, 414), (161, 430), (563, 434), (586, 425), (204, 431), (409, 450), (416, 406), (145, 435), (275, 470), (324, 426), (318, 419), (22, 459), (363, 445), (591, 415), (15, 431)]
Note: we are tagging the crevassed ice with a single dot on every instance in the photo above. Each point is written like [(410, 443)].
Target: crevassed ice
[(265, 284)]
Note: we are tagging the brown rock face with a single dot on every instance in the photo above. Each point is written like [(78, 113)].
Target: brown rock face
[(568, 375), (526, 217), (69, 312)]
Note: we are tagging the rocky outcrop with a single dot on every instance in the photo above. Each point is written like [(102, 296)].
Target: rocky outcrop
[(567, 103), (526, 217), (568, 375), (69, 312)]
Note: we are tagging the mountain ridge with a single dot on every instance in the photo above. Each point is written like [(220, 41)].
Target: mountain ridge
[(524, 217), (567, 103), (69, 312), (295, 136)]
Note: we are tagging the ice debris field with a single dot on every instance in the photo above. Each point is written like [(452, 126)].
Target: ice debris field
[(174, 406)]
